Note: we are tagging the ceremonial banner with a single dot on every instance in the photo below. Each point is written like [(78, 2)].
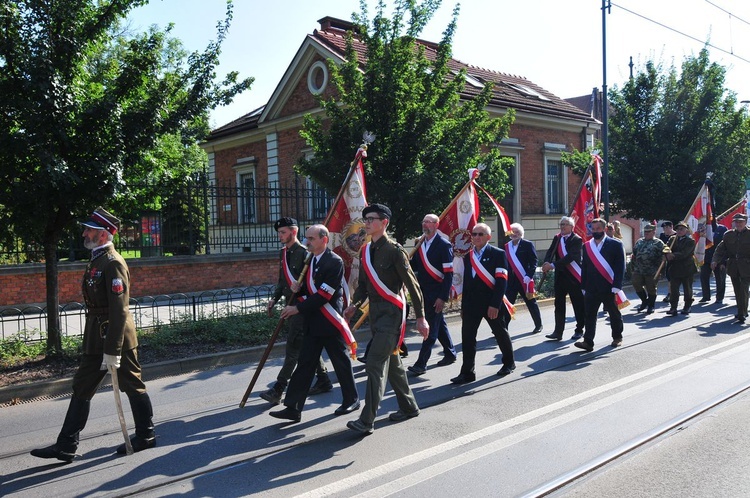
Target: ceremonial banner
[(345, 223), (725, 218), (701, 222), (502, 216), (586, 204), (456, 223)]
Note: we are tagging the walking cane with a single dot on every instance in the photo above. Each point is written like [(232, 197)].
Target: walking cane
[(120, 414), (275, 334)]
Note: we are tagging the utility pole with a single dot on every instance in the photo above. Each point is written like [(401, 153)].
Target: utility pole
[(606, 8)]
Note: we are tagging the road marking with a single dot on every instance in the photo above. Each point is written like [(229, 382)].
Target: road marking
[(392, 486)]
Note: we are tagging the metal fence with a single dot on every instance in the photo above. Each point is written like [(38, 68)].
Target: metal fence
[(196, 217), (30, 323)]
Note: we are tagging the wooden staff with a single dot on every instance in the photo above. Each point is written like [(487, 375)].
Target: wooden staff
[(674, 238), (275, 334), (120, 414)]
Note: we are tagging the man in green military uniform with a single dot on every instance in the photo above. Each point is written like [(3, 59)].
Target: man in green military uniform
[(647, 255), (682, 268), (735, 250), (383, 273), (291, 262), (109, 341)]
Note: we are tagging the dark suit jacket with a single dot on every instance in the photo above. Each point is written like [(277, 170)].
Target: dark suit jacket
[(573, 245), (683, 264), (476, 295), (328, 272), (591, 279), (526, 254), (440, 252)]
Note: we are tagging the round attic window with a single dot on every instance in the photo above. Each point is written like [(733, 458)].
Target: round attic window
[(317, 78)]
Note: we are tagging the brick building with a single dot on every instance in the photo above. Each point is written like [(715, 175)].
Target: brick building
[(261, 147)]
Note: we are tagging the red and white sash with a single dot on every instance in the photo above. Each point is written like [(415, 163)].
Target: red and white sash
[(574, 268), (398, 300), (605, 270), (518, 269), (331, 314), (436, 274), (489, 280), (287, 271)]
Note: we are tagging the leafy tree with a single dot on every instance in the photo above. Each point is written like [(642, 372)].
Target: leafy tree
[(667, 131), (426, 136), (80, 109)]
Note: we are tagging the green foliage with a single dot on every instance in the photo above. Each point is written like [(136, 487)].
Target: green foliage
[(426, 137), (247, 330), (26, 345), (579, 161), (85, 109), (667, 131)]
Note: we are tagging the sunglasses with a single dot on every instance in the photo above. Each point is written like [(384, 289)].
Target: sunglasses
[(478, 234)]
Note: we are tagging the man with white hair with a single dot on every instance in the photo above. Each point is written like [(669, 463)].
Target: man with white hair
[(485, 281), (522, 259), (564, 256)]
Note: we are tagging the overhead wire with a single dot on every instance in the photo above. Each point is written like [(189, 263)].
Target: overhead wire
[(706, 43)]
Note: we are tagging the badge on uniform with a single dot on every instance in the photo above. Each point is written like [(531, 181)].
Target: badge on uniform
[(118, 287)]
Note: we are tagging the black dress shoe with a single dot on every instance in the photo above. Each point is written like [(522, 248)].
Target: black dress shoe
[(616, 342), (584, 345), (360, 427), (138, 443), (401, 415), (704, 300), (347, 408), (577, 336), (55, 451), (554, 337), (464, 378), (537, 330), (446, 361), (506, 370), (362, 359), (416, 370), (672, 312), (288, 414)]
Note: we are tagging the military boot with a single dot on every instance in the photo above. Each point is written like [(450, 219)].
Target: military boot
[(644, 302), (274, 394), (67, 441), (686, 309), (651, 303), (145, 438)]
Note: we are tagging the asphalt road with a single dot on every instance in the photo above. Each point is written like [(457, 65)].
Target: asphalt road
[(665, 414)]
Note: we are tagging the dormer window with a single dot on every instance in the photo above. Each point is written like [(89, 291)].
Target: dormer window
[(530, 92)]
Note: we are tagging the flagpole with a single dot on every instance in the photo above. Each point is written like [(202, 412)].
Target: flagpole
[(725, 213)]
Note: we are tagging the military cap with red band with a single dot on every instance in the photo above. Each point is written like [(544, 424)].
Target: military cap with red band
[(100, 219)]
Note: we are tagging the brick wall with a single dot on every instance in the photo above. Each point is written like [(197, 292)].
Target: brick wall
[(25, 284)]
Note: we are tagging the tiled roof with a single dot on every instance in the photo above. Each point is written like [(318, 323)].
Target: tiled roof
[(509, 91)]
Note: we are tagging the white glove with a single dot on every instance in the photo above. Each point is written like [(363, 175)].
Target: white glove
[(526, 280), (110, 360), (615, 290)]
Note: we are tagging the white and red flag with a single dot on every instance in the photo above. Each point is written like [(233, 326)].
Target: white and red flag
[(345, 223), (502, 216), (456, 223), (586, 204), (725, 218), (701, 222)]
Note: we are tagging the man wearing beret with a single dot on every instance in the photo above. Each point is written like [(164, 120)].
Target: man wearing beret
[(735, 250), (383, 273), (682, 268), (109, 342), (648, 252), (291, 262)]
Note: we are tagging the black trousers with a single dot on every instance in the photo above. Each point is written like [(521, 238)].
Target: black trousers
[(472, 318), (593, 300), (567, 285), (309, 359)]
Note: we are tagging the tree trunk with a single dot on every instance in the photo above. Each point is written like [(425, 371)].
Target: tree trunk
[(54, 337)]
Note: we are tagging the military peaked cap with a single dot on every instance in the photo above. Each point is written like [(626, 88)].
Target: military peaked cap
[(100, 219), (681, 224), (649, 228), (739, 217)]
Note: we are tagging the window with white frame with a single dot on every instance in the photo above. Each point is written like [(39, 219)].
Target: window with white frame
[(554, 186)]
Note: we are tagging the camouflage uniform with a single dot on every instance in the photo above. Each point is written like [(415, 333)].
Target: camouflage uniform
[(646, 258)]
